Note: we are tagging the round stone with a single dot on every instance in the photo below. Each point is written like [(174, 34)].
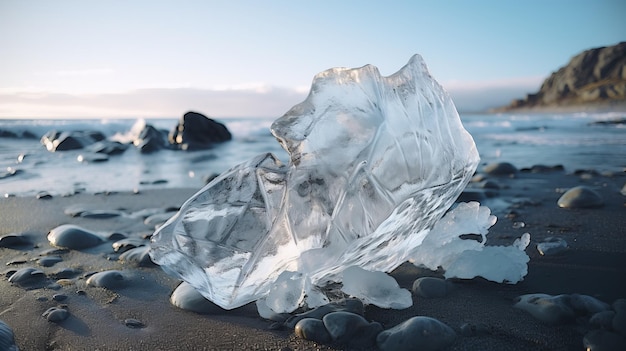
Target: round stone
[(108, 279), (351, 329), (73, 237), (427, 333), (500, 169), (312, 329), (138, 256), (27, 276), (133, 323), (188, 298), (546, 308), (580, 197), (49, 261), (14, 240), (55, 314)]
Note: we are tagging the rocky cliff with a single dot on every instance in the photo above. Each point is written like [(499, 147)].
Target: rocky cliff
[(596, 77)]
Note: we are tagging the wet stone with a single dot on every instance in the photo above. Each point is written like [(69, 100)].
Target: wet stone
[(351, 329), (28, 276), (587, 305), (186, 297), (101, 214), (346, 305), (7, 338), (65, 273), (59, 297), (133, 323), (138, 256), (49, 261), (14, 240), (312, 329), (73, 237), (428, 333), (552, 246), (108, 279), (500, 169), (546, 308), (580, 197), (56, 314)]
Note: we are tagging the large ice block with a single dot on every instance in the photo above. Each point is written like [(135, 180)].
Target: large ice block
[(374, 162)]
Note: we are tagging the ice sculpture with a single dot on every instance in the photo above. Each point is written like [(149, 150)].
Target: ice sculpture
[(374, 163)]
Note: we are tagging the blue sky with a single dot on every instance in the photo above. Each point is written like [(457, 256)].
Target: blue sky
[(151, 58)]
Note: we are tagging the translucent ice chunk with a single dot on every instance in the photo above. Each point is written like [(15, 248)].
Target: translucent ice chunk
[(374, 163), (376, 288)]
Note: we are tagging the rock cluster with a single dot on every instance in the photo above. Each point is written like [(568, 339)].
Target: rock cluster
[(593, 77), (194, 131)]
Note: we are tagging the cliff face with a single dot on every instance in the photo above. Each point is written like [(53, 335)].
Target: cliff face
[(593, 77)]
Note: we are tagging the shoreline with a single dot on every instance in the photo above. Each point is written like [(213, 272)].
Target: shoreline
[(594, 264)]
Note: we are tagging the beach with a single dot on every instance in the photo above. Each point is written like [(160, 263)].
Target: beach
[(137, 314)]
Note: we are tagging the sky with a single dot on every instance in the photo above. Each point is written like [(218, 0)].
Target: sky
[(155, 58)]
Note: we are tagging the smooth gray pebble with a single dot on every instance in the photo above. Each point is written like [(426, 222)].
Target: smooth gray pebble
[(580, 197), (427, 333), (73, 237), (56, 314), (108, 279), (312, 329), (188, 298)]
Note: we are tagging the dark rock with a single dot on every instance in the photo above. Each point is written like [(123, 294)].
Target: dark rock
[(59, 297), (66, 273), (73, 237), (196, 131), (580, 197), (500, 169), (14, 240), (49, 261), (133, 323), (420, 332), (351, 329), (468, 329), (106, 147), (74, 140), (468, 195), (595, 76), (151, 139)]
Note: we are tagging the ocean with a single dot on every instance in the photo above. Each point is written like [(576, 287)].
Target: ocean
[(574, 140)]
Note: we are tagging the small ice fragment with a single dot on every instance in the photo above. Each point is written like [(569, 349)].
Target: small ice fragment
[(376, 288), (286, 293)]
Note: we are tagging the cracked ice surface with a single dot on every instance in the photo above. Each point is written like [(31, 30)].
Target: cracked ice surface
[(374, 163)]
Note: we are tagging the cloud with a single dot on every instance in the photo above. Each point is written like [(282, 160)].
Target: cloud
[(244, 100), (251, 101)]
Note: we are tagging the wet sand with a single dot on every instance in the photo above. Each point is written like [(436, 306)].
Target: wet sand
[(594, 264)]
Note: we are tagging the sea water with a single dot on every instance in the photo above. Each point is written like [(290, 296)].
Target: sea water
[(574, 140)]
